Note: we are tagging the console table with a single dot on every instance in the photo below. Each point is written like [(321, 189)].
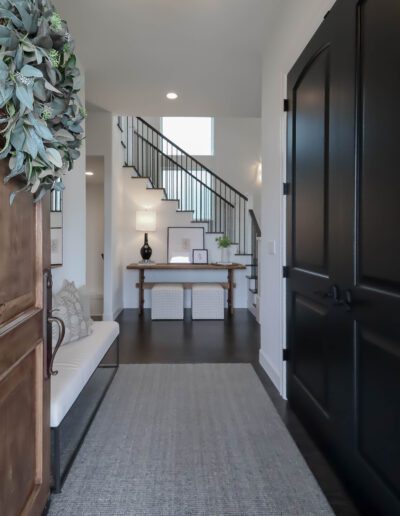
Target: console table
[(142, 267)]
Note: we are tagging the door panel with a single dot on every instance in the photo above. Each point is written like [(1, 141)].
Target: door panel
[(311, 101), (18, 264), (378, 366), (312, 326), (343, 291), (310, 367), (24, 385), (376, 291), (379, 163)]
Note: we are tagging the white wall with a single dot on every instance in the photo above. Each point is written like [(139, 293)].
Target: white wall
[(98, 135), (95, 234), (237, 154), (104, 139), (74, 226), (116, 220), (285, 41)]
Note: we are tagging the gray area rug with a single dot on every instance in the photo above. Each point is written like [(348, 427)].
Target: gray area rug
[(183, 439)]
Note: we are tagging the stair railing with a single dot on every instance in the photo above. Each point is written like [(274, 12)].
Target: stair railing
[(255, 236), (184, 178)]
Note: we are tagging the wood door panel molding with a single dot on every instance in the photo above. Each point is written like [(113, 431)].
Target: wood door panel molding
[(17, 443), (377, 415), (310, 356), (13, 307), (310, 165), (378, 207), (19, 342), (24, 385), (21, 258)]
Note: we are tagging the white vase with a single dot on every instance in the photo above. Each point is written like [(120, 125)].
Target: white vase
[(225, 254)]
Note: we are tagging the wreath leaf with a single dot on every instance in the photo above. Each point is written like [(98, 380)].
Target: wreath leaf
[(41, 113)]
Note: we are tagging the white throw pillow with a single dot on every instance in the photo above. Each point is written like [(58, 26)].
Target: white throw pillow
[(68, 306)]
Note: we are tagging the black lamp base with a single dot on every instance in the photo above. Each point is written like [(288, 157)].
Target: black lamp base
[(146, 251)]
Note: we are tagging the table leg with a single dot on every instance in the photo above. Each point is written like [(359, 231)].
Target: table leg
[(230, 291), (141, 291)]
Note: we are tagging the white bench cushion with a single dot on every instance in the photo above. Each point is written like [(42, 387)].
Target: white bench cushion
[(75, 363)]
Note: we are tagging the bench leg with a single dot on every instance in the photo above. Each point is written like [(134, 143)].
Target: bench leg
[(56, 459)]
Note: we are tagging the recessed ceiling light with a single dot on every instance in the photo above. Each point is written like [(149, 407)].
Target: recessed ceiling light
[(89, 173), (172, 95)]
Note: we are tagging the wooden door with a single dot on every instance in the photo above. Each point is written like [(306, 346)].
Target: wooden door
[(24, 385), (321, 143), (343, 253), (374, 288)]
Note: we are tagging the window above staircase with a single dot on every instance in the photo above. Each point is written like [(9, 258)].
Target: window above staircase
[(194, 134)]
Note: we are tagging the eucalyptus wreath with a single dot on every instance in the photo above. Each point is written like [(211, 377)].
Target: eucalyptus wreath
[(40, 111)]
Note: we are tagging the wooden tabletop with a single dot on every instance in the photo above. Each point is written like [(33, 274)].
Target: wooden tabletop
[(186, 266)]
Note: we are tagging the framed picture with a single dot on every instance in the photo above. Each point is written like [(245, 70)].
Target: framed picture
[(200, 256), (56, 246), (182, 241)]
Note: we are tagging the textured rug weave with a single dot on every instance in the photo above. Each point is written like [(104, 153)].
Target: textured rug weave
[(189, 440)]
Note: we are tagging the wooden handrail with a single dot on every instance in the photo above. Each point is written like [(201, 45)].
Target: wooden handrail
[(255, 222)]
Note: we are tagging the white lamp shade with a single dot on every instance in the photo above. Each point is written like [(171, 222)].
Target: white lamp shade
[(146, 220)]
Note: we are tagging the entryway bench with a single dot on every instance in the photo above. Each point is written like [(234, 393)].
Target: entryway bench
[(86, 369)]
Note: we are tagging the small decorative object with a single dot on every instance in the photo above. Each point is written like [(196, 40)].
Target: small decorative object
[(146, 220), (182, 241), (40, 110), (224, 243), (200, 256)]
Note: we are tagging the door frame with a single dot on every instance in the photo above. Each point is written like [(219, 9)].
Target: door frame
[(283, 207)]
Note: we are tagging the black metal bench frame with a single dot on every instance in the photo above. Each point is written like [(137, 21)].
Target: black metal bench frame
[(59, 476)]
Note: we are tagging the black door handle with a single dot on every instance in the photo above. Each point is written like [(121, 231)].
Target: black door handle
[(333, 293), (61, 334), (348, 300)]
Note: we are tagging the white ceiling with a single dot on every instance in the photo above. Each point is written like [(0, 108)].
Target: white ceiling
[(135, 51)]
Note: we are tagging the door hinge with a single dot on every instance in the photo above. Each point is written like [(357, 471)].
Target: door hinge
[(286, 188), (285, 271), (286, 355), (285, 105)]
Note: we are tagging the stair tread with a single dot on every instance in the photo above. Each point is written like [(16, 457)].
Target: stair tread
[(252, 277), (253, 290)]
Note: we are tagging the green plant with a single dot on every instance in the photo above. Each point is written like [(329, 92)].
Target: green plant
[(40, 109), (223, 241)]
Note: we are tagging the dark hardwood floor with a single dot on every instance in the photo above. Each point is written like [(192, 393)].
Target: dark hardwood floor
[(236, 339)]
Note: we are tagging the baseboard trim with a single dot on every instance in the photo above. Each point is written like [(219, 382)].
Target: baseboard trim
[(117, 312), (270, 370)]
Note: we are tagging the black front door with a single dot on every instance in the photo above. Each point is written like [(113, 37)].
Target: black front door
[(343, 248)]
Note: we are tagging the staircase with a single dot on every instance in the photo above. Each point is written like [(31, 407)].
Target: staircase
[(198, 190)]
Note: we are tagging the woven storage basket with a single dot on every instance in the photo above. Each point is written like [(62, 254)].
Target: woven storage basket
[(207, 301), (167, 302)]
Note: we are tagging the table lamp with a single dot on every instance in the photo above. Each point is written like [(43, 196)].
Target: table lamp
[(146, 221)]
